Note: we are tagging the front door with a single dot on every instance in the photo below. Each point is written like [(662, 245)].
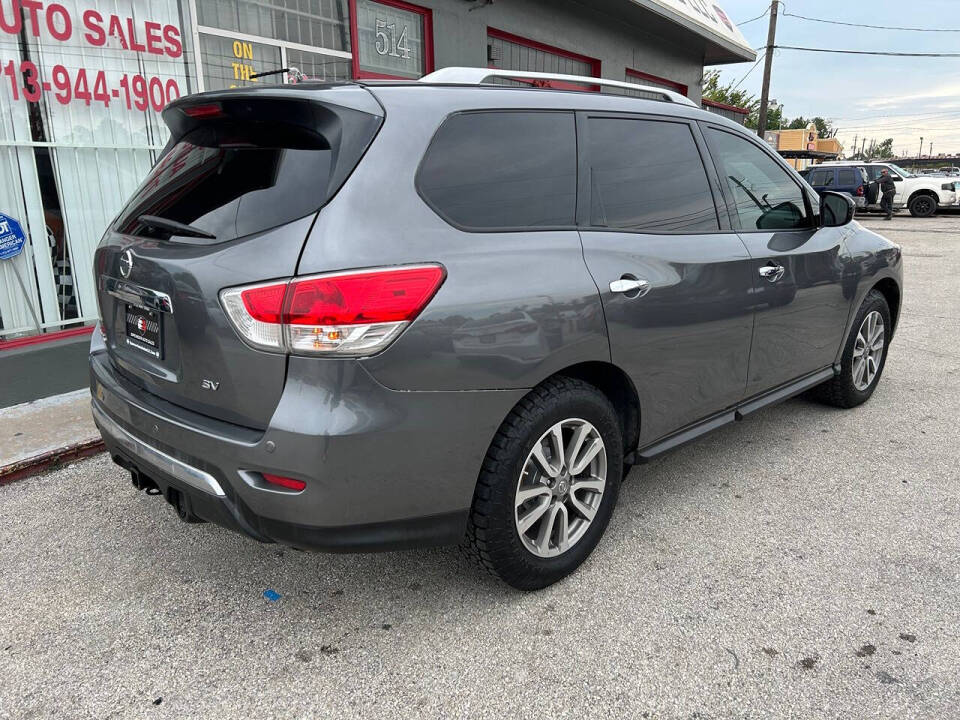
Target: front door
[(673, 277), (796, 267)]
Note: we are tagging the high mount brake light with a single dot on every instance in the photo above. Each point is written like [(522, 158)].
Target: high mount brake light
[(352, 313), (203, 111)]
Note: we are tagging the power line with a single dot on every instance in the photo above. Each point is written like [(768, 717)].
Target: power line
[(862, 25), (747, 22), (864, 52), (754, 67)]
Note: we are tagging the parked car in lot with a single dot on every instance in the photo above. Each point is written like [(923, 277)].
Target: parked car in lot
[(383, 315), (852, 181), (921, 195), (950, 170)]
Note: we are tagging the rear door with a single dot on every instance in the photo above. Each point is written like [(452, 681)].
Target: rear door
[(673, 277), (849, 182), (796, 267), (244, 176)]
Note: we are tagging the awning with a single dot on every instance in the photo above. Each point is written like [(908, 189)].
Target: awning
[(808, 155), (725, 42)]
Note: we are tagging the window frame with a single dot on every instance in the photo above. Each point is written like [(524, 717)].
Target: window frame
[(585, 191), (426, 15), (673, 85), (595, 63), (813, 214), (506, 228)]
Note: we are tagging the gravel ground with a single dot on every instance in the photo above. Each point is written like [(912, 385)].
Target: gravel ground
[(802, 563)]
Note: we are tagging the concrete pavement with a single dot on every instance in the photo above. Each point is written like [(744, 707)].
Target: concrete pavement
[(802, 563)]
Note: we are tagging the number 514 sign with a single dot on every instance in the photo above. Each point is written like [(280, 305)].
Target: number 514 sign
[(389, 42)]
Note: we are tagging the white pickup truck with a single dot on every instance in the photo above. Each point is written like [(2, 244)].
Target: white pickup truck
[(922, 195)]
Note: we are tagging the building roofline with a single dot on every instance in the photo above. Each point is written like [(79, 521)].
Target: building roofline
[(735, 46), (724, 106)]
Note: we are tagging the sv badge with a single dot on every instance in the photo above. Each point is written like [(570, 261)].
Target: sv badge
[(210, 384)]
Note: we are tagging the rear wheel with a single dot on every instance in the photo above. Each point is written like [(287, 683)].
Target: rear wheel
[(864, 356), (548, 485), (922, 205)]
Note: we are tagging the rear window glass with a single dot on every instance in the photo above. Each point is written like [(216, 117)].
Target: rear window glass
[(489, 170), (229, 190), (847, 177)]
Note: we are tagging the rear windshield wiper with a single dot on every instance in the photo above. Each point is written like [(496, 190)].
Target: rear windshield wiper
[(175, 227)]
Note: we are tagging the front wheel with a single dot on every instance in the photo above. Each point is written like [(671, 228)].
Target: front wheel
[(864, 356), (922, 205), (548, 485)]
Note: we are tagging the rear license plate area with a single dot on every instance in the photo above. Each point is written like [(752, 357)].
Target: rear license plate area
[(144, 331)]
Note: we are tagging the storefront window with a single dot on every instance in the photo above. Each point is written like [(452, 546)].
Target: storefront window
[(313, 66), (394, 39), (229, 63), (317, 23), (81, 89)]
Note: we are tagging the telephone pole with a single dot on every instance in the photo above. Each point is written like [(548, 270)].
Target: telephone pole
[(920, 155), (767, 63), (855, 144)]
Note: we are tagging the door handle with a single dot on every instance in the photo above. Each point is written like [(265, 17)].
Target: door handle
[(630, 286), (772, 272)]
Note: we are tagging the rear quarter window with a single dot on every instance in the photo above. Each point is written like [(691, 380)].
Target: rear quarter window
[(821, 178), (847, 177), (502, 170)]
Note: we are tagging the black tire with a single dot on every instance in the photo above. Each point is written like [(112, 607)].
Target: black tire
[(841, 391), (922, 205), (492, 534)]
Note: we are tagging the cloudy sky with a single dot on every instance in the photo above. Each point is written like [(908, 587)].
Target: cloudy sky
[(880, 97)]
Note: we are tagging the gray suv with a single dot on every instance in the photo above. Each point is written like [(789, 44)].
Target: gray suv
[(381, 315)]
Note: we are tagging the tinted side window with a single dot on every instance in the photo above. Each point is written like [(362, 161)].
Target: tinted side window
[(874, 171), (821, 178), (489, 170), (766, 196), (647, 175), (847, 177)]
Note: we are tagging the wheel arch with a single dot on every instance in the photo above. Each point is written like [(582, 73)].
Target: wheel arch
[(891, 292), (619, 390), (924, 191)]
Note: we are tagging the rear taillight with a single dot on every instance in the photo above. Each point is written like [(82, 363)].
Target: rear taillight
[(352, 313), (860, 191)]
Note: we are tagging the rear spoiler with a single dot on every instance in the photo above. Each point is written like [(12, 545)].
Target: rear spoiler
[(306, 116)]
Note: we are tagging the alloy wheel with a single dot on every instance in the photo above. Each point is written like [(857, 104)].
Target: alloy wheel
[(560, 487), (868, 350)]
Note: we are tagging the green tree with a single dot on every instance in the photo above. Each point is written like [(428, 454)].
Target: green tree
[(824, 128), (727, 94), (884, 150)]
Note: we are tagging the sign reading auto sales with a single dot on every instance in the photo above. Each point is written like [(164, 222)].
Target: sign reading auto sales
[(53, 23)]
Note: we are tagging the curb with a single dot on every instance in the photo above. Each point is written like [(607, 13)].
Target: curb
[(49, 460)]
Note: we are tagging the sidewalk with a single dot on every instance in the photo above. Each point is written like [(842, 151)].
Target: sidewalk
[(42, 433)]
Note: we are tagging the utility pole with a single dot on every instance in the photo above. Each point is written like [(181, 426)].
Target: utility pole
[(767, 63), (862, 146), (921, 147), (930, 151)]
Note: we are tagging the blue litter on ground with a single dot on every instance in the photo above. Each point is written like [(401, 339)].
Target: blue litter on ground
[(271, 595)]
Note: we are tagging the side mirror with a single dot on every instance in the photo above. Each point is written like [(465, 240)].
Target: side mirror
[(896, 178), (836, 209)]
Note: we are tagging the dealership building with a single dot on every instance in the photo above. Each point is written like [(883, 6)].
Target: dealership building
[(82, 84)]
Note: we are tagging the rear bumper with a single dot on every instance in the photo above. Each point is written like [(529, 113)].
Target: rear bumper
[(384, 469)]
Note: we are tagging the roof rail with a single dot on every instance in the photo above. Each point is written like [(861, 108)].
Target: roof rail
[(477, 76)]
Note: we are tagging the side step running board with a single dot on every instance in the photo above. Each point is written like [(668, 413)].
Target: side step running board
[(784, 392)]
